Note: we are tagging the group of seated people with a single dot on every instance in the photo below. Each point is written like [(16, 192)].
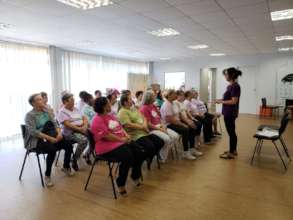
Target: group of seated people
[(129, 131)]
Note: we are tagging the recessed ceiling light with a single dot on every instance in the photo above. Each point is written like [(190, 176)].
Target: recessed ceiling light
[(198, 47), (217, 54), (286, 49), (285, 37), (282, 15), (165, 58), (164, 32), (86, 4), (4, 26)]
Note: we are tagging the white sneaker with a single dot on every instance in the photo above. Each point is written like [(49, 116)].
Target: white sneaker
[(48, 181), (187, 155), (195, 152)]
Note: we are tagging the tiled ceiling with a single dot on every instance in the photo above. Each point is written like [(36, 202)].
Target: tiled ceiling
[(233, 27)]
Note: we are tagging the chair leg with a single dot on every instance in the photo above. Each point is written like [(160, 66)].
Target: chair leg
[(255, 148), (280, 155), (40, 169), (220, 125), (117, 169), (259, 147), (112, 180), (90, 174), (24, 160), (158, 161), (285, 148), (57, 158)]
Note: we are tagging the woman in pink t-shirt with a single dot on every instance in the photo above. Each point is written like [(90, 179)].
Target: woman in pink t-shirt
[(112, 141), (153, 117)]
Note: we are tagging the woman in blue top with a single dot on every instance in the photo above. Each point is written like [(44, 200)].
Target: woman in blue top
[(230, 109)]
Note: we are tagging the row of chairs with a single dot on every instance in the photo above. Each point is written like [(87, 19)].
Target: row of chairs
[(110, 162)]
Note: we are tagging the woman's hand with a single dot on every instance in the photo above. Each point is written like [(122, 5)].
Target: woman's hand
[(218, 101)]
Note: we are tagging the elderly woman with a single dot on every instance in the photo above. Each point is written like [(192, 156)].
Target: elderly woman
[(44, 135), (74, 128), (171, 119), (155, 125), (112, 141), (88, 110), (137, 127)]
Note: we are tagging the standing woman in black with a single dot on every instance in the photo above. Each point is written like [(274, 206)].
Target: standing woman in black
[(230, 109)]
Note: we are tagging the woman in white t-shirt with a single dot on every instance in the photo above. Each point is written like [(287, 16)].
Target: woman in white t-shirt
[(171, 119)]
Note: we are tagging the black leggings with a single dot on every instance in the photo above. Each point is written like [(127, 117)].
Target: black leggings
[(230, 127), (129, 155), (188, 135), (51, 149), (151, 144), (207, 124)]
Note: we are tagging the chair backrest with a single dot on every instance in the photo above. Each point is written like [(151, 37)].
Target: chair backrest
[(264, 102), (284, 122), (23, 131)]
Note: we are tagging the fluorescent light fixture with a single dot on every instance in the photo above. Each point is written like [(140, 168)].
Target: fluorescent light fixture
[(4, 26), (282, 15), (86, 4), (217, 54), (285, 49), (164, 32), (198, 47), (165, 58), (285, 37)]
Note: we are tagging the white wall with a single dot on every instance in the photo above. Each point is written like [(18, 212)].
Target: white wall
[(259, 75)]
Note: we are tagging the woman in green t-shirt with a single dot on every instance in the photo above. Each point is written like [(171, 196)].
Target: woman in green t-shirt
[(136, 126)]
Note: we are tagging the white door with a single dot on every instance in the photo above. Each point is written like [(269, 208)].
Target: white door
[(248, 99)]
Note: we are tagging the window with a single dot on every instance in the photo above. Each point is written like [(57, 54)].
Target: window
[(175, 80), (90, 72), (24, 70)]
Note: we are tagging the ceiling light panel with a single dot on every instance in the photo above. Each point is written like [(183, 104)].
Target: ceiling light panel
[(198, 47), (164, 32), (282, 15), (86, 4), (285, 37)]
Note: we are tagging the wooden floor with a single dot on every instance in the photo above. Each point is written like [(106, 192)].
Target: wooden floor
[(209, 188)]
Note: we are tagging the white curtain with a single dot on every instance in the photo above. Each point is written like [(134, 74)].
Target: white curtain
[(24, 70), (91, 72)]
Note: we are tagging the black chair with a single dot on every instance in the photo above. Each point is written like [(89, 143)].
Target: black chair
[(278, 136), (110, 163), (23, 131)]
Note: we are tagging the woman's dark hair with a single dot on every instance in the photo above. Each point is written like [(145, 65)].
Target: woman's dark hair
[(82, 94), (110, 96), (138, 93), (32, 97), (43, 94), (87, 98), (159, 95), (100, 104), (179, 93), (98, 91), (232, 73), (124, 98), (187, 94)]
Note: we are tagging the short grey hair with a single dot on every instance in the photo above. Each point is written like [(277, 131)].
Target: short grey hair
[(146, 98), (32, 97)]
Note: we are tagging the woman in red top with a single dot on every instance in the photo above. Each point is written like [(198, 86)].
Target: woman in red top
[(113, 142), (153, 117)]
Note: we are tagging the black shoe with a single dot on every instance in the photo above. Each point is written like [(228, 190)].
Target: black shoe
[(74, 165)]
